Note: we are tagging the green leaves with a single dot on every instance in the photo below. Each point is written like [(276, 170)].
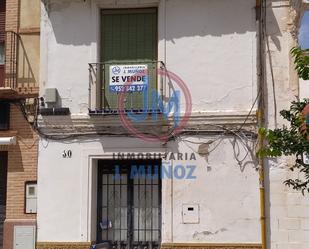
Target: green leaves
[(289, 141), (292, 140), (301, 60)]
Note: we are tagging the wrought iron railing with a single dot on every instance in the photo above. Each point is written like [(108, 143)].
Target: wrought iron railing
[(107, 88), (9, 69), (17, 70)]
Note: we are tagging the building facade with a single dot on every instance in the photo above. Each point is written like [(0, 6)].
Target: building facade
[(19, 77), (112, 168)]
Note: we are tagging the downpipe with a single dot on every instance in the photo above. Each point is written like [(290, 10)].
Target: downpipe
[(260, 17)]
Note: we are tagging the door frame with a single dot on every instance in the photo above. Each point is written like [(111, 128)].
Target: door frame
[(4, 157), (130, 201), (101, 85), (4, 163), (88, 174)]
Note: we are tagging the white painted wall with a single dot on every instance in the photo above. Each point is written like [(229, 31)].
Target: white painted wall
[(303, 88), (59, 198), (287, 209), (226, 192), (64, 185), (211, 45), (66, 197)]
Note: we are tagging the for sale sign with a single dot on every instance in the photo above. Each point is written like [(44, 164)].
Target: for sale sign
[(128, 78)]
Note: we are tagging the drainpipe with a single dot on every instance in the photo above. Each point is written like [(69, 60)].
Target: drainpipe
[(260, 16), (262, 190)]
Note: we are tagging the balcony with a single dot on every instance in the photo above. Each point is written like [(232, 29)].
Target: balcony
[(129, 86), (16, 76)]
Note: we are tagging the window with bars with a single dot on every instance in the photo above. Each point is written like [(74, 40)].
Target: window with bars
[(2, 53), (129, 204)]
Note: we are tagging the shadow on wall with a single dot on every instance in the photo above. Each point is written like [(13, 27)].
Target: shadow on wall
[(273, 28), (25, 73), (22, 151), (71, 21), (211, 18)]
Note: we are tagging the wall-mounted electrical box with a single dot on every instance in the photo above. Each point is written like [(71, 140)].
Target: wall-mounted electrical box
[(31, 197), (51, 95), (190, 213), (24, 237)]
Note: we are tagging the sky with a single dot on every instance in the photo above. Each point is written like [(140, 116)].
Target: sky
[(304, 31)]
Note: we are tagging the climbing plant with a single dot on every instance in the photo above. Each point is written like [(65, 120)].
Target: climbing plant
[(292, 140), (301, 60)]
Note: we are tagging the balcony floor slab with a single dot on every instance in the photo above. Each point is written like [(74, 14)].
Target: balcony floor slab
[(10, 93)]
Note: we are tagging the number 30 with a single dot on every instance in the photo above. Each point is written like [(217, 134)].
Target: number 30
[(67, 154)]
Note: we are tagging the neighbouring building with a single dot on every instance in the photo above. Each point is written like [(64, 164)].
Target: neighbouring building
[(19, 77), (102, 148)]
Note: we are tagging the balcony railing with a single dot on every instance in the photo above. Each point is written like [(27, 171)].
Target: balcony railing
[(136, 83), (8, 70), (16, 73)]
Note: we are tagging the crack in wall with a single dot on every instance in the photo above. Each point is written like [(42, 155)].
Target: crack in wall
[(208, 233)]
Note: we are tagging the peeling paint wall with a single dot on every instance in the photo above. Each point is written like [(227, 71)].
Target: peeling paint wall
[(226, 192), (212, 46), (220, 59), (287, 209), (216, 57)]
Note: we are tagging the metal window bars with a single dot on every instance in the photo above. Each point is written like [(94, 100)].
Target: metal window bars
[(129, 205)]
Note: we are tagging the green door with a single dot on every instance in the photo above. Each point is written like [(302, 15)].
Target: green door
[(129, 40)]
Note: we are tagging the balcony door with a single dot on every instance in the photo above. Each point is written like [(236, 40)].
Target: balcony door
[(128, 37), (3, 184)]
